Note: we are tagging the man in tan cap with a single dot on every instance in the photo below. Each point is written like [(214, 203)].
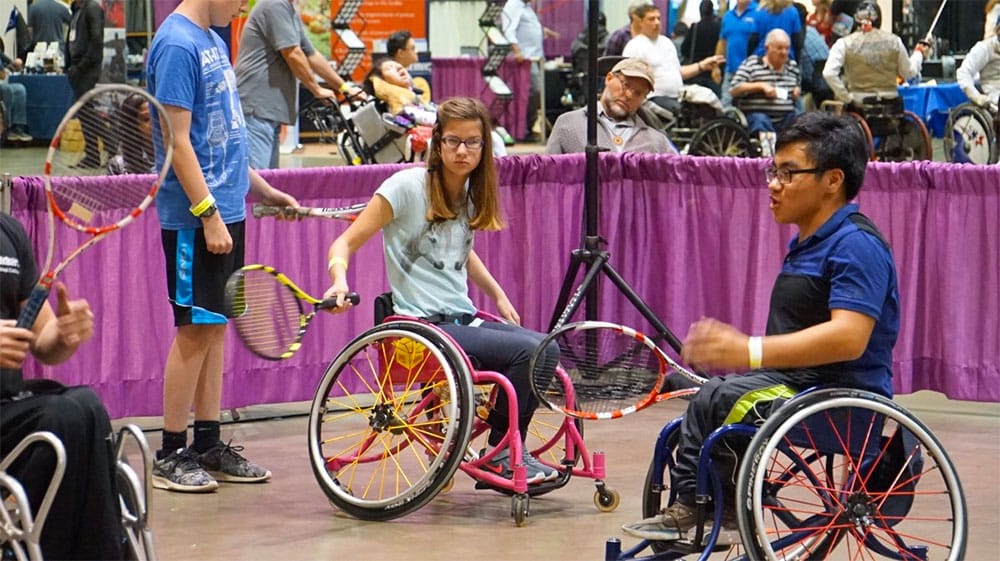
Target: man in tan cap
[(619, 129)]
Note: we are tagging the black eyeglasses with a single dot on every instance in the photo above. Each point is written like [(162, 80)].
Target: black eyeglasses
[(784, 175), (472, 144)]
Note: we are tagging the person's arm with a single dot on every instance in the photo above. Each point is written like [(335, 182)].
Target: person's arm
[(481, 277), (267, 194), (831, 72), (58, 333), (509, 20), (94, 20), (966, 74), (300, 66), (798, 43), (713, 344), (373, 218), (188, 170), (749, 88), (707, 63), (322, 68)]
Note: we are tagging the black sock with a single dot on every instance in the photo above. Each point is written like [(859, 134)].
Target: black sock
[(171, 442), (206, 435)]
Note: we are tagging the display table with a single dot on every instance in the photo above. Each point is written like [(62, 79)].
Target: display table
[(693, 236), (49, 97), (933, 103), (463, 76)]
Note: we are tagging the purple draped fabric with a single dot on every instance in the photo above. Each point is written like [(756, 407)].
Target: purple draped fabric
[(692, 235), (463, 76)]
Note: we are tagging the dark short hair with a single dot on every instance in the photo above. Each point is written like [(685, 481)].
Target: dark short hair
[(831, 142), (641, 11), (397, 42)]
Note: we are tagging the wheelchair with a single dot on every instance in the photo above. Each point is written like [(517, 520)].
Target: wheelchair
[(702, 129), (20, 531), (362, 133), (970, 135), (832, 473), (398, 412), (894, 134)]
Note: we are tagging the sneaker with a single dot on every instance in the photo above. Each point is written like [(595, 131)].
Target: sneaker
[(534, 466), (671, 524), (729, 534), (19, 136), (180, 471), (500, 465), (226, 464)]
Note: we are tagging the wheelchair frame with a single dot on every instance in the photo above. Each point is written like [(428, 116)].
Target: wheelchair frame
[(353, 145), (968, 127), (701, 135), (833, 450), (20, 532), (897, 137), (395, 449)]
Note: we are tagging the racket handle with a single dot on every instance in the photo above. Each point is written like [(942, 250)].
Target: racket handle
[(34, 305), (331, 303)]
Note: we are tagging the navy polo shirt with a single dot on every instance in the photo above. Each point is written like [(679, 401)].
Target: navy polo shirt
[(845, 265)]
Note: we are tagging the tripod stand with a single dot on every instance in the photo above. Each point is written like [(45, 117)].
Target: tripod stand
[(592, 253)]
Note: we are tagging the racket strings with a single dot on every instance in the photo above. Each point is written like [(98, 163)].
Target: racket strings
[(268, 316), (608, 371)]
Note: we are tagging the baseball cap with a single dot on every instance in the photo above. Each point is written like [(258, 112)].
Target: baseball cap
[(635, 68)]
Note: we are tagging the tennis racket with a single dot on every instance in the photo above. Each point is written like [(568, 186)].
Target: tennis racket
[(98, 127), (605, 371), (270, 312), (348, 213)]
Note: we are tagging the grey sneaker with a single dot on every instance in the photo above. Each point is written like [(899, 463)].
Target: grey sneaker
[(500, 465), (226, 464), (180, 471), (669, 525), (535, 467), (729, 534)]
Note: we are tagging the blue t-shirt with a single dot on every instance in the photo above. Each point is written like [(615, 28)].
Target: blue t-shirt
[(845, 265), (188, 67), (787, 19), (427, 263), (736, 31)]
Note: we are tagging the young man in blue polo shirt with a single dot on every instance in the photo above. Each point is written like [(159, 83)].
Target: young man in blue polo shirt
[(834, 312)]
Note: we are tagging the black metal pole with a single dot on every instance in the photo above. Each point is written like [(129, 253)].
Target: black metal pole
[(591, 197)]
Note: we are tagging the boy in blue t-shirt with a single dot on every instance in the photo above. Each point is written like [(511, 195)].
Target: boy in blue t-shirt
[(202, 209)]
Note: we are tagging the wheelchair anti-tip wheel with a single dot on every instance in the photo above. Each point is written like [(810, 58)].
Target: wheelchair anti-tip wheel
[(838, 471), (391, 420), (969, 136), (721, 137)]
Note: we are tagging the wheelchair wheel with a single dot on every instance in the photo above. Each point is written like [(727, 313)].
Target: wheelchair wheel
[(721, 137), (390, 420), (350, 152), (866, 131), (837, 471), (909, 143), (969, 136)]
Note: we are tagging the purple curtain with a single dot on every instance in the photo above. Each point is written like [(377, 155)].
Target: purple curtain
[(463, 76), (692, 236)]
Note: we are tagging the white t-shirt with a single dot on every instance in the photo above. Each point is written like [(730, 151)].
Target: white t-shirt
[(426, 262), (661, 56)]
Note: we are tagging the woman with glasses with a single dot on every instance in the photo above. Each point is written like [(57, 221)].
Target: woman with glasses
[(428, 218)]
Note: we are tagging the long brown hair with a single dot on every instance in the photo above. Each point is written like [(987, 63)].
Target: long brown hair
[(482, 180)]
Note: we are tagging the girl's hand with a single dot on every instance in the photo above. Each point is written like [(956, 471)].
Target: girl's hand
[(506, 310)]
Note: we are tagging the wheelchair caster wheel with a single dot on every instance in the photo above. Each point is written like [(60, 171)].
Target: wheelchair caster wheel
[(607, 500), (448, 486), (519, 509)]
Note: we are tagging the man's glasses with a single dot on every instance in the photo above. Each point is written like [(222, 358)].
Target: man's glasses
[(639, 92), (784, 175), (472, 144)]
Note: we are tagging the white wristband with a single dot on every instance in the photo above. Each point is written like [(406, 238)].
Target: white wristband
[(755, 346)]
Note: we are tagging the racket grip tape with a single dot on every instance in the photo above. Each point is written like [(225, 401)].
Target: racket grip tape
[(34, 305), (331, 303)]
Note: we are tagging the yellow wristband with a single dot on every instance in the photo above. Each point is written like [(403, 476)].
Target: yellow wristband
[(755, 346), (201, 207), (336, 260), (345, 87)]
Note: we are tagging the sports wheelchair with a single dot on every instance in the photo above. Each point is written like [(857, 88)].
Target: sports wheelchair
[(362, 134), (970, 135), (397, 413), (894, 134), (20, 531), (832, 473), (701, 127)]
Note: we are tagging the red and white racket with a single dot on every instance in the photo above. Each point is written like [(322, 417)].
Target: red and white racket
[(108, 122), (348, 213)]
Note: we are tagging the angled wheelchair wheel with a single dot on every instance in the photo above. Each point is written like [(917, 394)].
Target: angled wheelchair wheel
[(848, 474), (390, 420), (910, 141), (721, 137), (866, 131), (969, 136)]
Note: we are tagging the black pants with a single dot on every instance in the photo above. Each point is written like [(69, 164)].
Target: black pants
[(85, 520), (708, 411), (82, 81)]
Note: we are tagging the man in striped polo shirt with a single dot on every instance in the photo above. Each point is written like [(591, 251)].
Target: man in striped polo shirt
[(766, 87)]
